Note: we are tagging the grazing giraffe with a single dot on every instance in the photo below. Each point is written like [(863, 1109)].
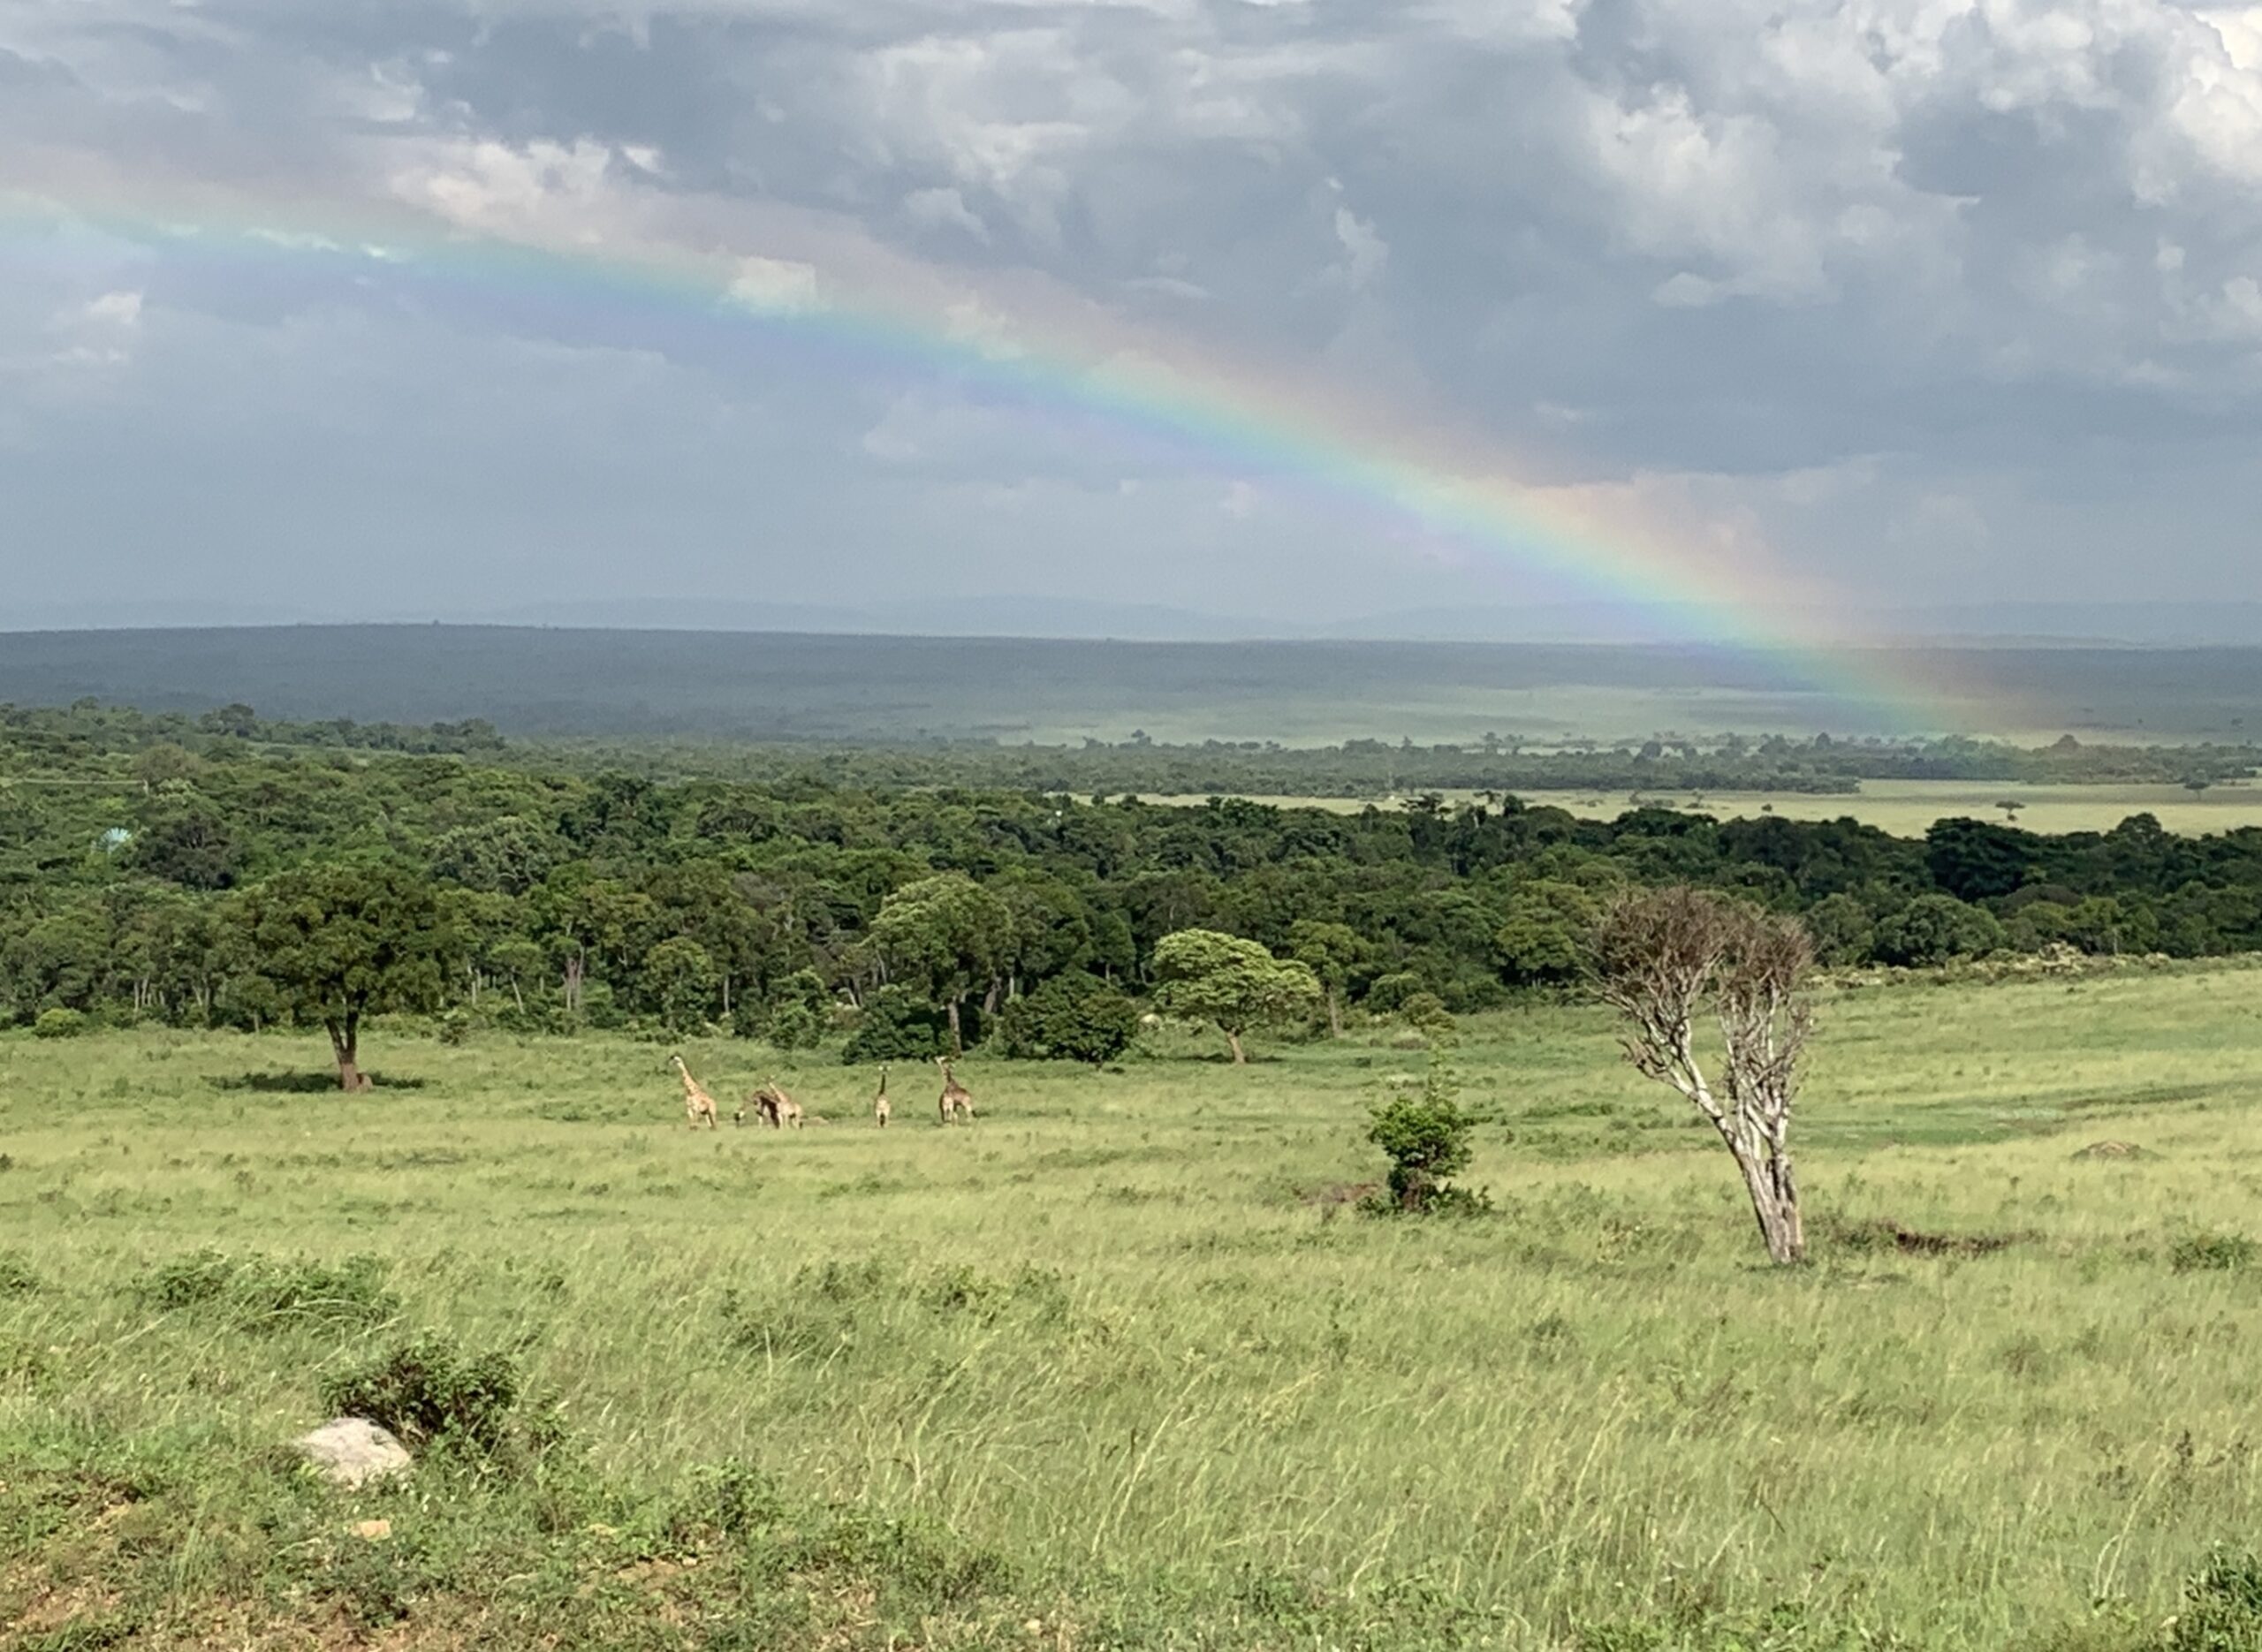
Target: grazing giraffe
[(777, 1109), (955, 1099), (697, 1105), (880, 1108)]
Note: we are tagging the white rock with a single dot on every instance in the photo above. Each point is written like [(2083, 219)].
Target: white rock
[(353, 1451)]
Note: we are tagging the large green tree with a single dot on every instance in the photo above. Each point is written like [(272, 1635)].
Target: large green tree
[(945, 935), (1331, 951), (336, 943), (1234, 983)]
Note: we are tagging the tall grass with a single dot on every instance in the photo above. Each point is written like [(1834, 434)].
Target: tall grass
[(1126, 1334)]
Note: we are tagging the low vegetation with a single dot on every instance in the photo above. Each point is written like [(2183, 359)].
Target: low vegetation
[(1120, 1364)]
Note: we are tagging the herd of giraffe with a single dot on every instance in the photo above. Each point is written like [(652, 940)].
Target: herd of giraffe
[(771, 1105)]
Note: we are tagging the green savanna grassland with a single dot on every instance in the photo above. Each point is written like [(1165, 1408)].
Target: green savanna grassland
[(1906, 808), (1120, 1364)]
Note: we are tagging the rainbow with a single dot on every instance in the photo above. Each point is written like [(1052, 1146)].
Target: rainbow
[(865, 307)]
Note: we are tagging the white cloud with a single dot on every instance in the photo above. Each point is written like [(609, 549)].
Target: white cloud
[(115, 309), (1365, 252), (489, 185), (775, 285)]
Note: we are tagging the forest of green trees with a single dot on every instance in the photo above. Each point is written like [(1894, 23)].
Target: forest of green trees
[(220, 871)]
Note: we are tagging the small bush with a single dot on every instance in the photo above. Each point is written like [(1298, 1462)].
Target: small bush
[(1076, 1017), (1426, 1136), (58, 1024), (186, 1281), (2222, 1606), (2201, 1252), (426, 1389), (261, 1292), (453, 1028), (1389, 993), (1425, 1014), (348, 1292), (792, 1027), (897, 1025), (797, 1015)]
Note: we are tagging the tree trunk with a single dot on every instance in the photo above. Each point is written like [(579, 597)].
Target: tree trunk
[(1775, 1202), (957, 1049), (1334, 1014), (1241, 1056), (573, 984), (990, 998), (344, 1044)]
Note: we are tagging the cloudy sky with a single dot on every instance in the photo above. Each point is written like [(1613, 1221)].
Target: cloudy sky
[(1920, 301)]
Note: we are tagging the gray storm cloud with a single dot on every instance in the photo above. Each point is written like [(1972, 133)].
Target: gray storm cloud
[(1943, 301)]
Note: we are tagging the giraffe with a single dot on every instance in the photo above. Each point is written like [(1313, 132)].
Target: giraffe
[(880, 1108), (955, 1101), (777, 1108), (697, 1105)]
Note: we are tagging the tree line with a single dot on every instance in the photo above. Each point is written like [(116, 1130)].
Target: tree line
[(233, 881), (1666, 763)]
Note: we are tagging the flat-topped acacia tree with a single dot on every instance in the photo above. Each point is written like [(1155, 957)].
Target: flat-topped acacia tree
[(1663, 958), (340, 942)]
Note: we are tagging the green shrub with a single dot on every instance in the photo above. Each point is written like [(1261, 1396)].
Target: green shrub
[(2222, 1606), (797, 1014), (792, 1027), (1425, 1014), (453, 1029), (58, 1024), (1389, 993), (897, 1025), (426, 1389), (261, 1292), (1426, 1136), (1934, 928), (1075, 1017), (16, 1276), (2200, 1253), (186, 1281)]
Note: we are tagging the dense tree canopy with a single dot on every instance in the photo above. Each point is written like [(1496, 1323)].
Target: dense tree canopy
[(147, 864)]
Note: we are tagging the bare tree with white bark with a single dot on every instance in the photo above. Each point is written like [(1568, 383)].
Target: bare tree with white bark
[(1666, 958)]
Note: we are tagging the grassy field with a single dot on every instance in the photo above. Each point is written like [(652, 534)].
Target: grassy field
[(1117, 1367), (1908, 807)]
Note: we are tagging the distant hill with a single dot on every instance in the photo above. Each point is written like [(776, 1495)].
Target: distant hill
[(831, 686), (2152, 624)]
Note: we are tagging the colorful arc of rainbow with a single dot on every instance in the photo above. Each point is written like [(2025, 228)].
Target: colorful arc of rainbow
[(1235, 418)]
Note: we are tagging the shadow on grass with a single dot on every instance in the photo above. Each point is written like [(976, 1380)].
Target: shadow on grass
[(304, 1083)]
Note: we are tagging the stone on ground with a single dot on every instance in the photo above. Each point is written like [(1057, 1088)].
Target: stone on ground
[(353, 1451)]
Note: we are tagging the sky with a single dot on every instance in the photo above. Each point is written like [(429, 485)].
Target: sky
[(1851, 305)]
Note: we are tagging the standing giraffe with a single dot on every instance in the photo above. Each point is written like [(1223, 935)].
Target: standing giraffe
[(880, 1109), (955, 1099), (697, 1105), (777, 1108)]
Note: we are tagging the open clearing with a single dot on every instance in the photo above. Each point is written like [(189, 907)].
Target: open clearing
[(1908, 809), (1114, 1366)]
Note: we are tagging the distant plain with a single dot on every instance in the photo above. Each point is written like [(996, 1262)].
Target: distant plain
[(1906, 808), (743, 685)]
